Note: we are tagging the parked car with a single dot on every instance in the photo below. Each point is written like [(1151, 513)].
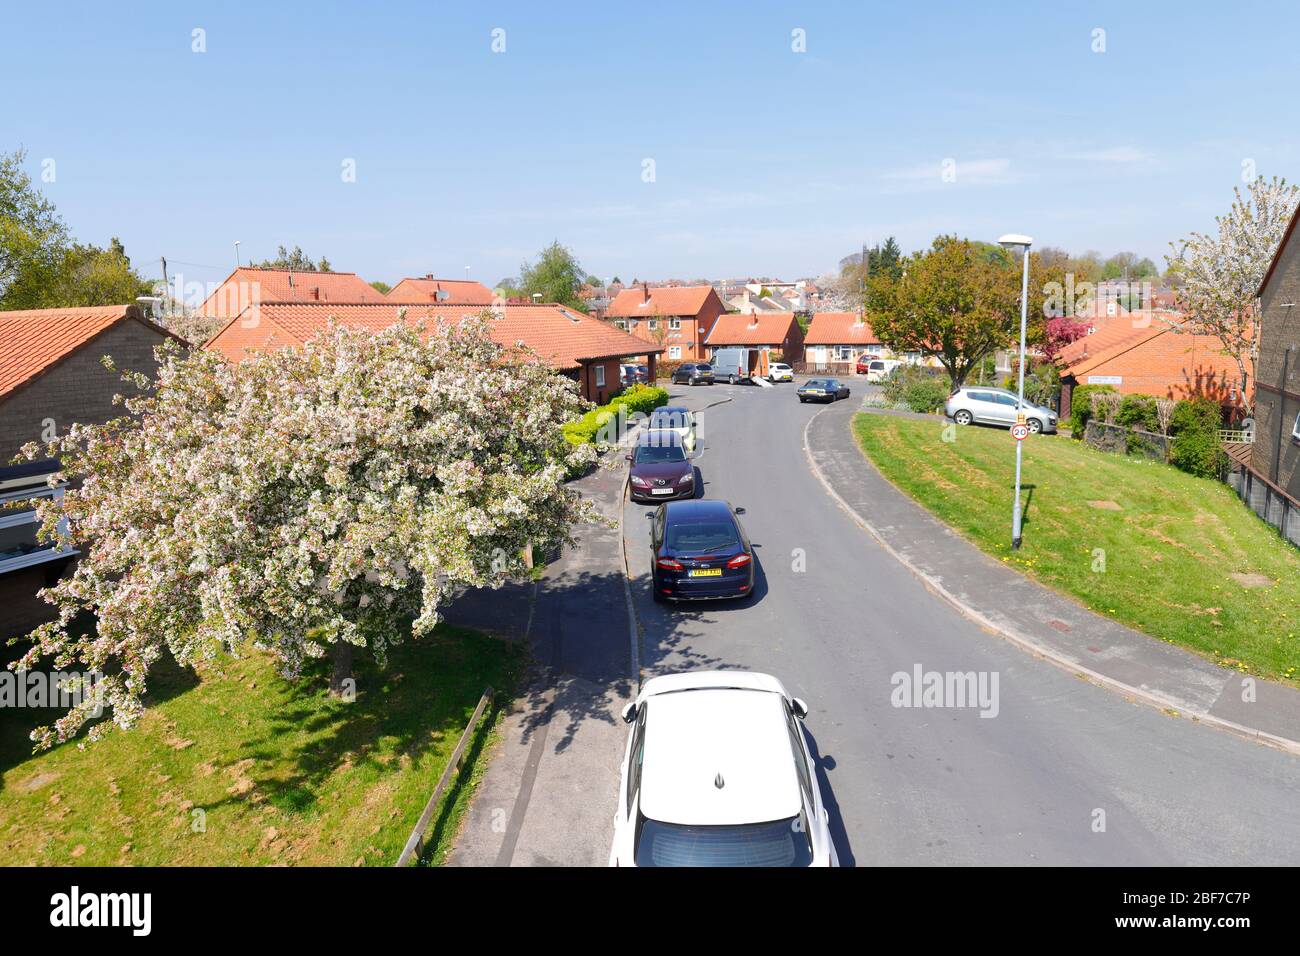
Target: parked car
[(997, 406), (734, 365), (780, 372), (717, 772), (634, 374), (693, 373), (876, 369), (675, 419), (660, 469), (699, 552), (822, 390)]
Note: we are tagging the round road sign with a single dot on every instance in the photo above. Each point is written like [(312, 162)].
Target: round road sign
[(1019, 432)]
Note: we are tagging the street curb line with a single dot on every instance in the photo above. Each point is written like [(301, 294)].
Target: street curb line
[(1029, 644)]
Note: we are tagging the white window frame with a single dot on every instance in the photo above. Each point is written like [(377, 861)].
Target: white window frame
[(600, 376), (674, 323), (40, 556), (652, 324), (674, 351), (1295, 428), (621, 324)]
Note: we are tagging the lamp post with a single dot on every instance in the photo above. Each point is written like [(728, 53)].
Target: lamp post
[(1014, 241)]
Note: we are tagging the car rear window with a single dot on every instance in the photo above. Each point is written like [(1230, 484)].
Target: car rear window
[(701, 536), (669, 420), (776, 843), (705, 368)]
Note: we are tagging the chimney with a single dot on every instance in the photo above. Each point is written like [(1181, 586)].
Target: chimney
[(315, 293), (645, 292)]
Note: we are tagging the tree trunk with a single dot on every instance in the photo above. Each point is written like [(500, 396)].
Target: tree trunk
[(342, 669)]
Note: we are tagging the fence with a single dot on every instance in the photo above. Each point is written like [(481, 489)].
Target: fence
[(415, 843), (1267, 500), (824, 368)]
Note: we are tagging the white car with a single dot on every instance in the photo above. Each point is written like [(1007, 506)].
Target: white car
[(780, 372), (717, 773)]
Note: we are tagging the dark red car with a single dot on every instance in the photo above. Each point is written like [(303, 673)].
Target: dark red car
[(660, 469)]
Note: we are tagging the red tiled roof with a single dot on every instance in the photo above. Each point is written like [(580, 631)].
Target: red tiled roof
[(248, 283), (1110, 332), (839, 328), (33, 340), (761, 328), (427, 289), (563, 337), (677, 300)]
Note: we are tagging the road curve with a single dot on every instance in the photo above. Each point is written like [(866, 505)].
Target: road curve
[(1066, 773)]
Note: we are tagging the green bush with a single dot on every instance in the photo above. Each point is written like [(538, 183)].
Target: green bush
[(665, 367), (1195, 424), (638, 398), (641, 398), (925, 395), (1138, 411), (903, 377), (1081, 406)]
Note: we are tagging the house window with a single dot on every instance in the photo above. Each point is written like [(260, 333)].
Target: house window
[(600, 376), (621, 324), (652, 324), (845, 352), (19, 547), (1295, 429), (674, 351), (674, 323)]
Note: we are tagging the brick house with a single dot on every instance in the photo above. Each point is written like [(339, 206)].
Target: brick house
[(678, 318), (835, 340), (50, 378), (1141, 353), (450, 291), (585, 349), (248, 285), (777, 332), (1275, 454)]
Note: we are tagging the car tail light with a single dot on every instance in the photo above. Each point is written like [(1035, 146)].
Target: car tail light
[(739, 561), (670, 564)]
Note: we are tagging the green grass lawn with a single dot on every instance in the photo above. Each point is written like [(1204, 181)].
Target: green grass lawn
[(283, 773), (1185, 561)]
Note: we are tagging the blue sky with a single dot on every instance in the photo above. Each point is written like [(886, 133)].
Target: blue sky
[(767, 161)]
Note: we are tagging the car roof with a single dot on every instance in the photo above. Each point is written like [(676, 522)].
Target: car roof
[(697, 509), (669, 410), (697, 736), (660, 438)]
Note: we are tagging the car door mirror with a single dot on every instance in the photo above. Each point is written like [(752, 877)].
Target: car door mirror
[(799, 708), (628, 456), (629, 713), (739, 510)]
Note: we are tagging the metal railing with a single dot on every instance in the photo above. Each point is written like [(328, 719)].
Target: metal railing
[(1269, 502)]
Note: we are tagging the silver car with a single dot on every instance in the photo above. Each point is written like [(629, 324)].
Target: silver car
[(997, 406)]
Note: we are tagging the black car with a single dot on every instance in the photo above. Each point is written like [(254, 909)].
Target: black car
[(822, 390), (693, 373), (699, 552)]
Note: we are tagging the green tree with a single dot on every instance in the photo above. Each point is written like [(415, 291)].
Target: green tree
[(32, 236), (556, 275), (89, 275), (382, 287), (297, 261), (957, 301)]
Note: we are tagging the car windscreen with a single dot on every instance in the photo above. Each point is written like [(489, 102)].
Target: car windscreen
[(657, 454), (776, 843), (669, 420), (700, 536)]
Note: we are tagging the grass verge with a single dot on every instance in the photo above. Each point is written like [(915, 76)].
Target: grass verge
[(281, 773), (1174, 556)]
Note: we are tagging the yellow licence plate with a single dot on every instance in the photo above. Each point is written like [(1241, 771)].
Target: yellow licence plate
[(706, 573)]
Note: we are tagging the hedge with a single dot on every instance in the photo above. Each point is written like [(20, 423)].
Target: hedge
[(1195, 425), (1081, 406), (1138, 411), (638, 398)]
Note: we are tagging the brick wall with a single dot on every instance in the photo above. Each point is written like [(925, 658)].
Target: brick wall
[(23, 610), (1277, 384), (78, 389)]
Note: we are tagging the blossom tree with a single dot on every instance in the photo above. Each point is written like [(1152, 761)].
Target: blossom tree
[(304, 501), (1220, 273)]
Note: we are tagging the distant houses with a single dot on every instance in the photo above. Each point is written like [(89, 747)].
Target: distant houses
[(678, 318), (834, 341), (451, 291), (585, 349), (249, 285)]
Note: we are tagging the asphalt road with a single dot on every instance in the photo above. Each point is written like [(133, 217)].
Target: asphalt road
[(1065, 773)]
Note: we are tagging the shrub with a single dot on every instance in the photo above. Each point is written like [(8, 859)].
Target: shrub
[(1081, 406), (638, 398), (925, 395), (664, 369), (904, 376), (641, 398), (1195, 425), (1139, 411)]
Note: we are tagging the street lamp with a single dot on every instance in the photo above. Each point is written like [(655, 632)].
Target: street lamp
[(236, 253), (1014, 241)]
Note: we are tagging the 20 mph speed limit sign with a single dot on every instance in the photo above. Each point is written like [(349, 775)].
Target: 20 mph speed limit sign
[(1019, 432)]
